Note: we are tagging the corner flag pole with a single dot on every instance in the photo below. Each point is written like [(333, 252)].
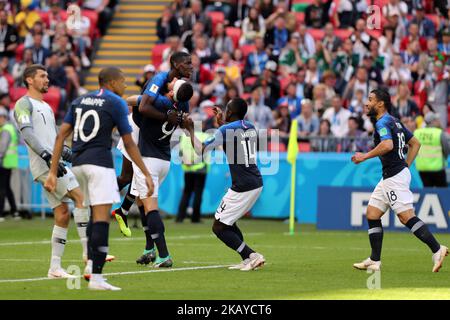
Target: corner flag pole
[(292, 159)]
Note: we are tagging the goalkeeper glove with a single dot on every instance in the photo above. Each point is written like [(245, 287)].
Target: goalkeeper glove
[(48, 159)]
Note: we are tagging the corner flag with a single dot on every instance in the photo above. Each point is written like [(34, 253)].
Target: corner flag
[(292, 159)]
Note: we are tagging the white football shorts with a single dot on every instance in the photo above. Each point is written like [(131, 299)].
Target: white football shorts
[(64, 184), (158, 169), (134, 136)]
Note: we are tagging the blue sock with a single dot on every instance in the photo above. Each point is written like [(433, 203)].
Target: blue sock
[(99, 243), (421, 231), (149, 244), (156, 227)]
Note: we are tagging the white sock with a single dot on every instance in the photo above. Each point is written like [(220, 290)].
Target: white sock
[(59, 238), (97, 277), (81, 217)]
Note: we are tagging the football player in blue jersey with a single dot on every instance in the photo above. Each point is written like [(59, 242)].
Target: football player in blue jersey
[(154, 144), (239, 140), (181, 67), (397, 148), (92, 118)]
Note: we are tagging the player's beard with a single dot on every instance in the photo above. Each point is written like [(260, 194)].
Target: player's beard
[(372, 113), (44, 89)]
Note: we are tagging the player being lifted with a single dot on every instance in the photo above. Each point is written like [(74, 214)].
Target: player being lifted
[(392, 141), (239, 140), (154, 144), (36, 122), (92, 118), (181, 67)]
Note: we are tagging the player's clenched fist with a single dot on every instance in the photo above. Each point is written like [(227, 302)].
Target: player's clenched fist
[(50, 183), (150, 185), (358, 157)]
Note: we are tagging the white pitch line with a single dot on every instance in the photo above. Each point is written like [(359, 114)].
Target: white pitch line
[(120, 273), (20, 243)]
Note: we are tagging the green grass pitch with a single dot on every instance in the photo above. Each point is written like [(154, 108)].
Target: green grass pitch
[(309, 265)]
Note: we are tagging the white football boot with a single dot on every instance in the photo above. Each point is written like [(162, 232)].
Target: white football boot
[(240, 265), (368, 264), (59, 273), (255, 260), (438, 258)]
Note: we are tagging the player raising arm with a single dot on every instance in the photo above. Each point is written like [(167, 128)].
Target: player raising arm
[(92, 118), (393, 191)]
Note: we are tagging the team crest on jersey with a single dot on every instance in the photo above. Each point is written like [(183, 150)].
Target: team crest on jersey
[(24, 118), (154, 88), (383, 132)]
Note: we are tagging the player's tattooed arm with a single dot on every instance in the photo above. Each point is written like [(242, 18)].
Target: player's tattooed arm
[(413, 150)]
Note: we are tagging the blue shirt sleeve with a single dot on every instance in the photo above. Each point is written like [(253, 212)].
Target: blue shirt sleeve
[(408, 134), (69, 116), (120, 117), (383, 130), (154, 86), (217, 139)]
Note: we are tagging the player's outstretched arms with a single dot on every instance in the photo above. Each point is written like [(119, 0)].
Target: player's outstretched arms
[(146, 108), (198, 146), (55, 166), (384, 147), (413, 150), (136, 157)]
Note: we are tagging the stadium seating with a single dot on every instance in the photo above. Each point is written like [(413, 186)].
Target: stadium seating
[(304, 147), (317, 34), (216, 17), (247, 49), (234, 34), (276, 147), (52, 97), (343, 33), (157, 52)]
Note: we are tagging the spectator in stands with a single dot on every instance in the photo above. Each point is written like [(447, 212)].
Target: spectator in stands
[(322, 57), (104, 10), (277, 36), (204, 52), (427, 59), (395, 7), (147, 73), (283, 122), (253, 26), (256, 61), (306, 41), (329, 80), (360, 38), (217, 89), (330, 41), (394, 75), (224, 6), (290, 59), (360, 81), (200, 74), (231, 94), (346, 12), (81, 39), (4, 84), (437, 88), (282, 10), (9, 39), (373, 69), (25, 19), (356, 139), (324, 142), (344, 64), (55, 15), (357, 102), (19, 67), (413, 35), (270, 85), (308, 121), (189, 36), (403, 105), (389, 43), (266, 8), (293, 102), (395, 22), (196, 14), (37, 28), (338, 117), (410, 58), (320, 102), (302, 89), (444, 45), (316, 14), (220, 42), (409, 123), (57, 78), (167, 25), (312, 72), (70, 62), (232, 70), (239, 58), (40, 54), (258, 113), (426, 26)]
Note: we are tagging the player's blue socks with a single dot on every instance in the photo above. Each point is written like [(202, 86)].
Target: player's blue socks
[(231, 238), (376, 238), (156, 227), (127, 202), (150, 244), (99, 244), (421, 231), (88, 235)]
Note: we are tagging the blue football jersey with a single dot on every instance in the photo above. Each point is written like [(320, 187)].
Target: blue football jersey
[(93, 117), (239, 140), (154, 135), (388, 127), (157, 85)]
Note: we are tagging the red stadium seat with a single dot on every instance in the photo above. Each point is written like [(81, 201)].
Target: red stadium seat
[(284, 82), (234, 34), (276, 147), (342, 33), (10, 80), (300, 17), (247, 49), (317, 34), (418, 101), (157, 52), (304, 147), (250, 81), (19, 52), (53, 97), (375, 33), (216, 17), (93, 18), (302, 1), (246, 96), (16, 93)]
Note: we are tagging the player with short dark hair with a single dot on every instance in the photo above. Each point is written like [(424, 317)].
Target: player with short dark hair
[(181, 67), (392, 142), (154, 144), (92, 118), (239, 140)]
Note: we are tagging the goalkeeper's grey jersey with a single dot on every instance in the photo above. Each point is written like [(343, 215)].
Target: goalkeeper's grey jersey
[(38, 115)]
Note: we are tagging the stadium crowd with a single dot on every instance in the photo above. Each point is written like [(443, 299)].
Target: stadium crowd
[(34, 31), (314, 61)]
